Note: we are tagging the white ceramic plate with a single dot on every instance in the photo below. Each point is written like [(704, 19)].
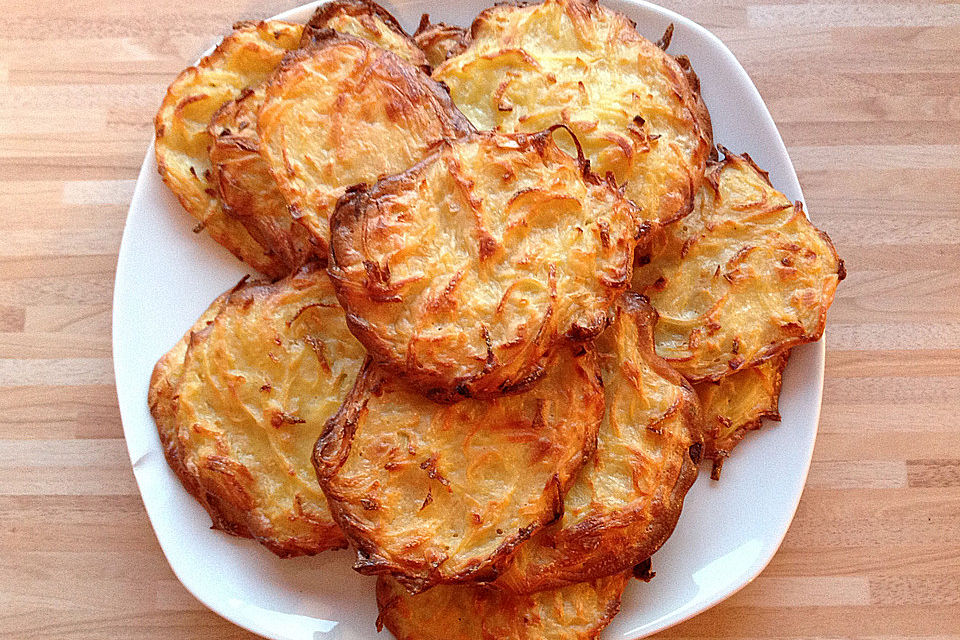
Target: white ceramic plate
[(729, 530)]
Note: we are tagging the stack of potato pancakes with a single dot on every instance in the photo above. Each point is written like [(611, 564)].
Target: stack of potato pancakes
[(511, 297)]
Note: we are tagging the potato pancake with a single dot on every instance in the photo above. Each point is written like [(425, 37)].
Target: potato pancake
[(742, 279), (244, 58), (462, 273), (254, 390), (738, 403), (249, 192), (433, 493), (576, 62), (626, 500), (343, 111), (477, 612)]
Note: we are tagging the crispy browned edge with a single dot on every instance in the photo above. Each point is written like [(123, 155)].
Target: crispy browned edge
[(159, 128), (717, 455), (700, 111), (429, 33), (328, 10), (685, 84), (346, 224), (333, 448), (316, 27), (385, 603), (323, 38), (162, 399), (624, 555), (609, 613)]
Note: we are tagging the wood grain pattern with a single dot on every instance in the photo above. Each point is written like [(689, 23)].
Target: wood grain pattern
[(867, 97)]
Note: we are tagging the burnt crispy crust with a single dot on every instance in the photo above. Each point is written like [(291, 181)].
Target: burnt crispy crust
[(739, 403), (478, 612), (440, 41), (162, 400), (244, 57), (438, 325), (328, 12), (657, 152), (626, 502), (343, 111), (744, 240), (410, 481), (363, 19), (698, 106), (240, 401)]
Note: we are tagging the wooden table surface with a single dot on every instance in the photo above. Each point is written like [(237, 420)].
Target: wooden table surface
[(867, 97)]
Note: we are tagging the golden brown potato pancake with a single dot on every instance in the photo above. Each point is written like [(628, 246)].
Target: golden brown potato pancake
[(433, 493), (246, 403), (343, 111), (574, 61), (626, 500), (462, 273), (739, 403), (477, 612), (249, 192), (743, 278), (245, 57), (440, 41)]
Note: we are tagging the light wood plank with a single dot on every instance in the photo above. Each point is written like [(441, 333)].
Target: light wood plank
[(65, 413)]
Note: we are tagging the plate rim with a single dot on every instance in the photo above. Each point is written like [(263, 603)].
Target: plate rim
[(301, 13)]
